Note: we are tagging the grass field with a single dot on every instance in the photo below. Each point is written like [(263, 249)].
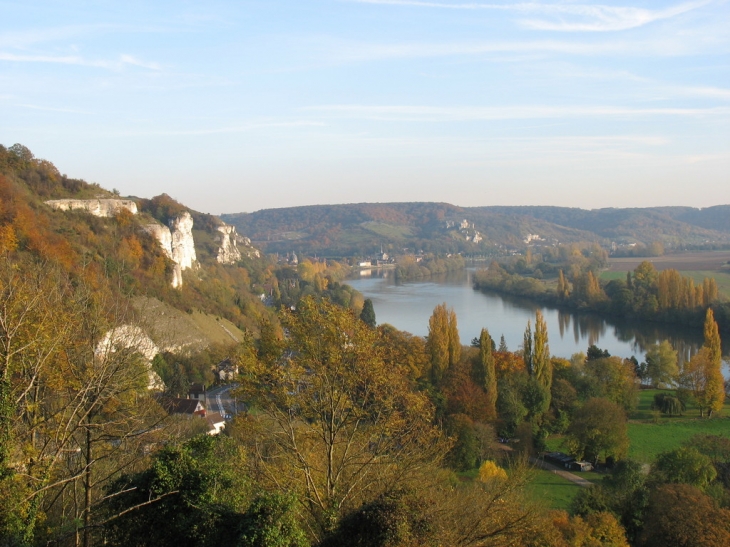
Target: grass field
[(647, 440), (552, 489)]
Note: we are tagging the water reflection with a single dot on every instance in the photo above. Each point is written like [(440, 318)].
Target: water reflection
[(408, 306)]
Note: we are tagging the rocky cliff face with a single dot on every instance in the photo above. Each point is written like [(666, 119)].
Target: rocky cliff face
[(97, 207), (228, 252), (177, 243), (183, 246)]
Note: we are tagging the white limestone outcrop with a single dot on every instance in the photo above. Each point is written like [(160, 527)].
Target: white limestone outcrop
[(96, 207), (163, 236), (183, 245), (133, 338), (249, 250), (228, 252), (177, 243)]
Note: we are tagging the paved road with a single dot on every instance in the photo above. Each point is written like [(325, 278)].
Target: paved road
[(220, 400)]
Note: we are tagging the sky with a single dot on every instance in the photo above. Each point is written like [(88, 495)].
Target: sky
[(236, 106)]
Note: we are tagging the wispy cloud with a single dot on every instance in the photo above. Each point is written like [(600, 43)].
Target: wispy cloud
[(80, 61), (51, 109), (599, 18), (463, 114), (585, 17), (348, 52), (232, 129), (129, 60)]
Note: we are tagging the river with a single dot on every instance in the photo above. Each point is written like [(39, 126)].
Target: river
[(408, 306)]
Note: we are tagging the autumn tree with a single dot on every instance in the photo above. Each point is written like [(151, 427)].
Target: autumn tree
[(338, 426), (563, 290), (79, 409), (702, 376), (403, 350), (681, 515)]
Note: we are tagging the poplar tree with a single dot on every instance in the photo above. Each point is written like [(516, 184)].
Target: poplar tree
[(563, 289), (442, 343), (541, 367), (454, 342), (527, 348), (714, 385), (502, 345), (484, 372), (437, 342)]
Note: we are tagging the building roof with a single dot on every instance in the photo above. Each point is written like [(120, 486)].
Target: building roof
[(177, 405)]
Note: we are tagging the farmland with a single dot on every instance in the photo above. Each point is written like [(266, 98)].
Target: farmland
[(698, 261)]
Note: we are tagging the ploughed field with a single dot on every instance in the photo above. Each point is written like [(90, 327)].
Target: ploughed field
[(705, 260)]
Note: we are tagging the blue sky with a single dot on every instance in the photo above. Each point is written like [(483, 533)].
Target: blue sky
[(239, 106)]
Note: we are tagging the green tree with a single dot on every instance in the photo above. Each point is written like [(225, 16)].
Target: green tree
[(484, 373), (684, 465), (442, 343), (368, 313), (527, 353), (661, 364), (598, 430), (192, 494), (542, 369), (614, 379), (502, 345)]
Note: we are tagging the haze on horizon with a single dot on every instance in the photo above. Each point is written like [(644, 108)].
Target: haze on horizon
[(239, 106)]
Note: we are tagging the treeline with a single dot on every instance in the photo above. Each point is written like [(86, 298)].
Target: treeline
[(645, 294), (410, 267)]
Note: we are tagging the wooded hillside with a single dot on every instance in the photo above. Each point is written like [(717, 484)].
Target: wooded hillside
[(360, 229)]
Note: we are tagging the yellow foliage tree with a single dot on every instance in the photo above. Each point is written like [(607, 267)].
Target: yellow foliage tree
[(490, 471)]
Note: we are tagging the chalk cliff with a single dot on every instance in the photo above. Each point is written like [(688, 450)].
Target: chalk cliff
[(97, 207), (183, 246), (228, 252), (177, 243)]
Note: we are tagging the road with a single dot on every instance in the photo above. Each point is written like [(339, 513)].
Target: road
[(219, 400)]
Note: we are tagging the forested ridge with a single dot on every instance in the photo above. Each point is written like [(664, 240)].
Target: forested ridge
[(360, 229), (348, 432)]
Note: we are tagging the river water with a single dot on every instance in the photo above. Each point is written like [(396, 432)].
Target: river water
[(408, 306)]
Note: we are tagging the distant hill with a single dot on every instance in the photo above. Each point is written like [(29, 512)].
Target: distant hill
[(361, 229)]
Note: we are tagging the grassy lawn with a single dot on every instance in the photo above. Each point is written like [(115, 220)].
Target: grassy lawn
[(649, 439), (608, 276), (555, 491)]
